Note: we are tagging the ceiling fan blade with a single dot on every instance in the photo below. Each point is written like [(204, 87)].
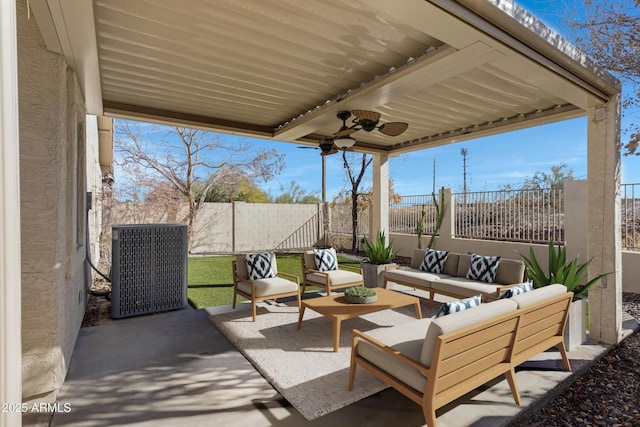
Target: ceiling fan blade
[(346, 132), (393, 128), (313, 148), (366, 115)]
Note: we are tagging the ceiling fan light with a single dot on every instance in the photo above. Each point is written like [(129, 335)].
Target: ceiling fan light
[(344, 142)]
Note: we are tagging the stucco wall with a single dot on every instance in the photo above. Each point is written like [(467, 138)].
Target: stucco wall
[(53, 184)]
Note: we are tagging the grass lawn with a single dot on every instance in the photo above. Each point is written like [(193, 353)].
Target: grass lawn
[(211, 283)]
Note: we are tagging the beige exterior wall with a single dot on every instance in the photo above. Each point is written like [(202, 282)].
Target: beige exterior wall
[(261, 226), (237, 227), (631, 272), (54, 180)]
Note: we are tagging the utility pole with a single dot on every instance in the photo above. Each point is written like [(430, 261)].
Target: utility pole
[(463, 151), (434, 176)]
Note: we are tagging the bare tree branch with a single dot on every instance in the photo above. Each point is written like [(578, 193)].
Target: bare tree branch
[(185, 158)]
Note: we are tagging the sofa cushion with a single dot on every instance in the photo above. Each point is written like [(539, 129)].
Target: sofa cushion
[(271, 286), (416, 258), (433, 261), (458, 306), (326, 259), (309, 260), (463, 265), (463, 319), (464, 288), (407, 338), (412, 276), (336, 277), (451, 265), (510, 271), (483, 268), (260, 266), (538, 295)]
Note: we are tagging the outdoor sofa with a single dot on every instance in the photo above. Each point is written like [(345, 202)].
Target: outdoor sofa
[(437, 360), (452, 279)]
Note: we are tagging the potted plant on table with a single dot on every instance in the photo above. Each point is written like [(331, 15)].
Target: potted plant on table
[(572, 275), (379, 255), (360, 295)]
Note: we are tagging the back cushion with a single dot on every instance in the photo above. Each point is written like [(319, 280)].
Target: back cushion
[(539, 295), (416, 259), (241, 267), (456, 321), (309, 260), (463, 265), (451, 265), (510, 271)]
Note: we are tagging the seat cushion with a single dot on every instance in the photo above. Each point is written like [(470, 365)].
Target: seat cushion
[(419, 278), (407, 338), (266, 287), (463, 287), (336, 277), (539, 295), (456, 321)]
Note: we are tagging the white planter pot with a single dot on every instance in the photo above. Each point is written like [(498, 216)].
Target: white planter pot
[(575, 332), (373, 274)]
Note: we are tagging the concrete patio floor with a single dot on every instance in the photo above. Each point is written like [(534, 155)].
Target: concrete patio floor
[(177, 369)]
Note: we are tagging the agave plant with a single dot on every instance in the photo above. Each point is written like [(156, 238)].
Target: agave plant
[(571, 274), (378, 251)]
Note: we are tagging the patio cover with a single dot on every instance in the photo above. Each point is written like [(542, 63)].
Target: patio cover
[(282, 69)]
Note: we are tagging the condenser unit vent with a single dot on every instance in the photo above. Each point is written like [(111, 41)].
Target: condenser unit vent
[(149, 269)]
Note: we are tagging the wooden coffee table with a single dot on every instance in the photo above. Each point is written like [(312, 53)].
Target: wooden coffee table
[(336, 308)]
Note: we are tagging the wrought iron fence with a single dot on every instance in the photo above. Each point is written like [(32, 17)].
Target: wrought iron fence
[(341, 220), (630, 221), (533, 216), (405, 215)]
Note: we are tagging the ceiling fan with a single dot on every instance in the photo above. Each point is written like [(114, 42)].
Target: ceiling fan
[(326, 147), (363, 120), (368, 121)]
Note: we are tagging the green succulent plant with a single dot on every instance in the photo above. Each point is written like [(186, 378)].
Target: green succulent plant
[(571, 274), (378, 251), (360, 291)]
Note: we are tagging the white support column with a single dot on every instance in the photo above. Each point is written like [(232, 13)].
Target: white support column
[(380, 213), (604, 234), (10, 270)]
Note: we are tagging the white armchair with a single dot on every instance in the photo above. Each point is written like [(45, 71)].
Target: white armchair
[(329, 277), (256, 278)]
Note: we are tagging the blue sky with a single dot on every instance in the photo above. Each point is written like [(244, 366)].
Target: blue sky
[(491, 162)]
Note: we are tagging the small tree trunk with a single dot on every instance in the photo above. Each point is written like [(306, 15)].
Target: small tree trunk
[(354, 223), (192, 220)]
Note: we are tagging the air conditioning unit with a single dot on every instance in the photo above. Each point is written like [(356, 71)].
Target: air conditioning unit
[(149, 269)]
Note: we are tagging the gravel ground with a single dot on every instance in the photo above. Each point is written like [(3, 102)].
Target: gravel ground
[(608, 394)]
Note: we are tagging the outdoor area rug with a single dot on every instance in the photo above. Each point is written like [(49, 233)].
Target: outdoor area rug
[(301, 364)]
